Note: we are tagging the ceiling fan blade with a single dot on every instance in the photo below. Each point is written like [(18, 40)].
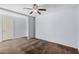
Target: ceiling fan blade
[(42, 9), (38, 12), (31, 12), (28, 8)]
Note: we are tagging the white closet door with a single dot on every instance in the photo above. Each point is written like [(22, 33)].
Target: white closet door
[(0, 28), (7, 24)]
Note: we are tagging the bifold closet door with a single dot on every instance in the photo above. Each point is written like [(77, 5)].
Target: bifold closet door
[(7, 28), (0, 28)]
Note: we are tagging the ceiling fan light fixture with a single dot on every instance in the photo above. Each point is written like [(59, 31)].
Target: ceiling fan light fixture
[(35, 11)]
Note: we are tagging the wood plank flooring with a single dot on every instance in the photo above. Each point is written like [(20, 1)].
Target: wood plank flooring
[(34, 46)]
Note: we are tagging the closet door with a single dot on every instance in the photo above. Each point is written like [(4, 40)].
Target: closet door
[(7, 26), (0, 28)]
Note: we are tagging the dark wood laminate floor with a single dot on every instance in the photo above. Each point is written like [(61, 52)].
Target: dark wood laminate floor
[(34, 46)]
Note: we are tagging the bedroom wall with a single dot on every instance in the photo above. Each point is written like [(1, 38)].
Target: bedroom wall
[(58, 24), (20, 27), (78, 28), (31, 27)]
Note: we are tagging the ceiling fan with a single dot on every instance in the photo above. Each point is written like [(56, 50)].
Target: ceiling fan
[(35, 9)]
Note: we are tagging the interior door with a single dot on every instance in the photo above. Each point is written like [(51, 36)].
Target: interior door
[(7, 24)]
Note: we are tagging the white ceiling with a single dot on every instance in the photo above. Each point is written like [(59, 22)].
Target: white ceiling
[(19, 7), (16, 7)]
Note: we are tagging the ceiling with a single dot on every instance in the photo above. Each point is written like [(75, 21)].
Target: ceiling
[(19, 7)]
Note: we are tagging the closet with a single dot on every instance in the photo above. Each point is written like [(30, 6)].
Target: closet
[(7, 27), (12, 27)]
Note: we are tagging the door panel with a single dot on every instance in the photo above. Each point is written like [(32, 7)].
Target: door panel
[(7, 27), (0, 28)]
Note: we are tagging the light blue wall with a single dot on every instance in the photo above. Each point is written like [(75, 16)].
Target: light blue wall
[(31, 27), (20, 29), (58, 25), (78, 28)]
